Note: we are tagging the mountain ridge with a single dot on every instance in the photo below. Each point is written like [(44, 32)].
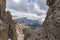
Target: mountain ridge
[(29, 22)]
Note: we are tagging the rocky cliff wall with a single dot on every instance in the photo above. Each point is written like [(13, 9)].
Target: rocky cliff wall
[(7, 19), (52, 21)]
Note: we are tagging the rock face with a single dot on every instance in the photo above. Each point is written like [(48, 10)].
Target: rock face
[(35, 34), (3, 31), (10, 31), (52, 21), (2, 7), (19, 32)]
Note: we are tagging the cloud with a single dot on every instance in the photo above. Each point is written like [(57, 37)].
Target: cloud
[(31, 16), (16, 1), (11, 5), (42, 4), (22, 8)]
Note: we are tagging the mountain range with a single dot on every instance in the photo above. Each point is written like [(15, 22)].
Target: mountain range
[(29, 22)]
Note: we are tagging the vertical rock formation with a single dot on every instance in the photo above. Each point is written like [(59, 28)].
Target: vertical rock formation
[(52, 21), (19, 32), (2, 7), (7, 19)]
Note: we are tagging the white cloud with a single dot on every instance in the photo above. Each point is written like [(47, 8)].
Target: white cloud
[(17, 1), (26, 14), (20, 9)]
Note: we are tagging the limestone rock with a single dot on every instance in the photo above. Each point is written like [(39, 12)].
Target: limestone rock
[(2, 7), (34, 34), (3, 31), (7, 18), (52, 21), (19, 32)]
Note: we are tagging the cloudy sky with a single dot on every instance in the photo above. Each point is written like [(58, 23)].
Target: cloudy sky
[(32, 9)]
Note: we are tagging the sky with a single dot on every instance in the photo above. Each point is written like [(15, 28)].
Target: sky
[(32, 9)]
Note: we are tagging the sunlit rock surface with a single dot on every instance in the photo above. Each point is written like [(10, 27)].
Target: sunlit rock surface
[(19, 32)]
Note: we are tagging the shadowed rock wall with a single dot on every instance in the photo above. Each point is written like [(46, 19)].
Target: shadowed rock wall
[(52, 21), (6, 17)]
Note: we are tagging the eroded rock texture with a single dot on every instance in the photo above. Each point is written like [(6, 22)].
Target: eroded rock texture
[(3, 31), (52, 21), (7, 31), (19, 32)]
